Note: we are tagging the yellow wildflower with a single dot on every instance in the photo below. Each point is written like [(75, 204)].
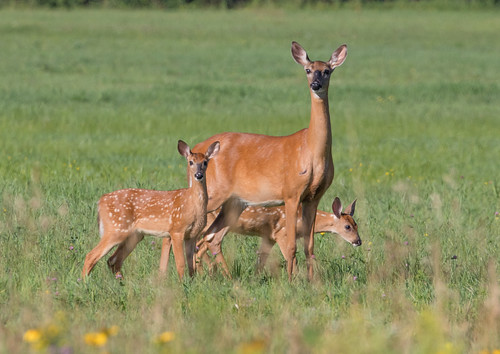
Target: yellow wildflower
[(32, 335), (96, 339), (165, 337)]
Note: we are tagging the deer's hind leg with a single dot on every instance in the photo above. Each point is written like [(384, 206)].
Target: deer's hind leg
[(115, 262), (106, 244)]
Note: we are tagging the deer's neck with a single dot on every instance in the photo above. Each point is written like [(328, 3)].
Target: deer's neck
[(198, 194), (322, 223), (319, 133)]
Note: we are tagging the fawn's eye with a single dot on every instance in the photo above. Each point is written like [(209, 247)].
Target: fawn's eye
[(190, 163), (348, 227), (326, 72), (205, 163), (308, 71)]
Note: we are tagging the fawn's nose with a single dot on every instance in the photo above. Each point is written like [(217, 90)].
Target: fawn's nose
[(357, 243), (198, 176)]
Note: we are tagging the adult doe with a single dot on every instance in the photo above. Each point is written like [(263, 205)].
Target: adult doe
[(262, 170)]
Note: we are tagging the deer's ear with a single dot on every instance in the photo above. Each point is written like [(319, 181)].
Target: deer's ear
[(183, 148), (212, 150), (337, 207), (350, 209), (299, 54), (338, 56)]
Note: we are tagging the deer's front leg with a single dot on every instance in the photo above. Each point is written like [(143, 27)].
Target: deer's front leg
[(165, 254), (291, 207), (190, 245), (308, 219), (178, 248)]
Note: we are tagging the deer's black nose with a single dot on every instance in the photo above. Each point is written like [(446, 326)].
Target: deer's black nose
[(198, 176), (315, 85), (357, 243)]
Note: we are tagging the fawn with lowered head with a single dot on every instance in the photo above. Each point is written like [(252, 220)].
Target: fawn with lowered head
[(294, 170), (269, 223), (126, 215)]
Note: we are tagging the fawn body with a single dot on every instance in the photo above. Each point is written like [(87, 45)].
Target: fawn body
[(126, 215), (269, 223), (262, 170)]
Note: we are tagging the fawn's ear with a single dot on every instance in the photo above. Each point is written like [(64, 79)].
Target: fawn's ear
[(338, 56), (299, 54), (337, 207), (183, 148), (212, 150), (350, 209)]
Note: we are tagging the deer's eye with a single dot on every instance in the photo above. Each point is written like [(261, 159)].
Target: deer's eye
[(348, 227), (308, 71), (190, 163), (326, 72), (205, 163)]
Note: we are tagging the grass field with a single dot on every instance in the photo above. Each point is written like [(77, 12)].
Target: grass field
[(95, 100)]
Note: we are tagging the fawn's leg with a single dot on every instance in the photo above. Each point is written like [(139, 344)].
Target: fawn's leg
[(215, 248), (178, 248), (228, 216), (165, 254), (190, 245), (263, 253), (106, 244), (115, 262)]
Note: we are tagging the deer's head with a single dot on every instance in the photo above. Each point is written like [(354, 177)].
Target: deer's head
[(318, 72), (344, 222), (197, 162)]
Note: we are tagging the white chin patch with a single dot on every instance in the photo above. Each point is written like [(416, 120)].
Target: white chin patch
[(319, 93)]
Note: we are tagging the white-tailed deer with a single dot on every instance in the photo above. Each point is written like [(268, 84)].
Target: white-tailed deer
[(269, 223), (262, 170), (126, 215)]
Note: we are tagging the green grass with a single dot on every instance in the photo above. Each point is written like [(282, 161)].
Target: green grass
[(95, 100)]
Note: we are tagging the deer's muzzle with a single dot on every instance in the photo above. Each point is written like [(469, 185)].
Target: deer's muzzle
[(198, 176), (315, 86)]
